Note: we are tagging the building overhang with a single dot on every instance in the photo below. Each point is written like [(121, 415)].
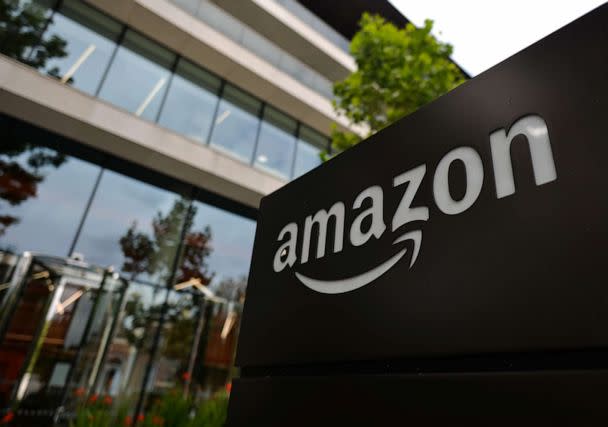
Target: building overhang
[(197, 41), (44, 102), (288, 31)]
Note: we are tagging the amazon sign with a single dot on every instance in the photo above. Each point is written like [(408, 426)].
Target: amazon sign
[(476, 225), (448, 270), (533, 128)]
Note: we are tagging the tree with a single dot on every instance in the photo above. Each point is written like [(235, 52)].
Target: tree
[(398, 71), (22, 24), (232, 288), (155, 254), (138, 251), (22, 167)]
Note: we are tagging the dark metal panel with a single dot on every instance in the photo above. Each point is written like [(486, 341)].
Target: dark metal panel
[(548, 398), (520, 273)]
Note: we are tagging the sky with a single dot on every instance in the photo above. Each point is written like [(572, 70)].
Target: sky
[(485, 32)]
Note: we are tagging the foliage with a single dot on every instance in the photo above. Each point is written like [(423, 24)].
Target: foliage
[(197, 248), (233, 289), (174, 410), (170, 410), (212, 413), (137, 249), (22, 167), (154, 254), (21, 26), (97, 411), (398, 71)]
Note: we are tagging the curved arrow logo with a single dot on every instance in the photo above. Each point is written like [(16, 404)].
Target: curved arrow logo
[(356, 282)]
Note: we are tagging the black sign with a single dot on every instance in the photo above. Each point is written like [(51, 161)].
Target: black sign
[(477, 225)]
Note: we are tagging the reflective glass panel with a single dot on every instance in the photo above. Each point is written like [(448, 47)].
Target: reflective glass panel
[(181, 338), (236, 124), (134, 227), (138, 76), (191, 101), (128, 353), (21, 25), (310, 145), (43, 193), (90, 41), (218, 248), (277, 143)]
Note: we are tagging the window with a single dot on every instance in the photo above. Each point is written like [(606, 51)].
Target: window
[(134, 227), (138, 76), (124, 369), (277, 143), (90, 41), (43, 193), (21, 25), (236, 124), (230, 240), (191, 102), (310, 145)]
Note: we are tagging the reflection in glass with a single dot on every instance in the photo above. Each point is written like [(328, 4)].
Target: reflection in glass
[(236, 124), (128, 353), (310, 145), (55, 314), (276, 143), (21, 24), (182, 330), (231, 242), (90, 38), (134, 227), (138, 76), (102, 315), (42, 194), (191, 101)]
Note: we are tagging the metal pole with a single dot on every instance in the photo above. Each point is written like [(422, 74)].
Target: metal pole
[(37, 341), (16, 286), (85, 337), (163, 315), (195, 344), (96, 371)]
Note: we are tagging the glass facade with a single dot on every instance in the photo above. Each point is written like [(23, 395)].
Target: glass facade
[(276, 144), (137, 78), (90, 51), (236, 124), (91, 39), (121, 289), (145, 312), (191, 102), (214, 16), (315, 22), (310, 146)]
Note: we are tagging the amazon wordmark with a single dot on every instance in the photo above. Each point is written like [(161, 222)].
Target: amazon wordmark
[(532, 127)]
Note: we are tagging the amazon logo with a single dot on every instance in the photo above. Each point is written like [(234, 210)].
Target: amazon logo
[(532, 127)]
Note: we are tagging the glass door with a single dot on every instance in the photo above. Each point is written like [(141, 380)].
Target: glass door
[(57, 323)]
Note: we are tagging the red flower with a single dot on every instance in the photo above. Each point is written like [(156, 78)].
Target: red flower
[(79, 392), (93, 398), (229, 387), (107, 400), (157, 421), (140, 418), (128, 421), (186, 376), (7, 418)]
